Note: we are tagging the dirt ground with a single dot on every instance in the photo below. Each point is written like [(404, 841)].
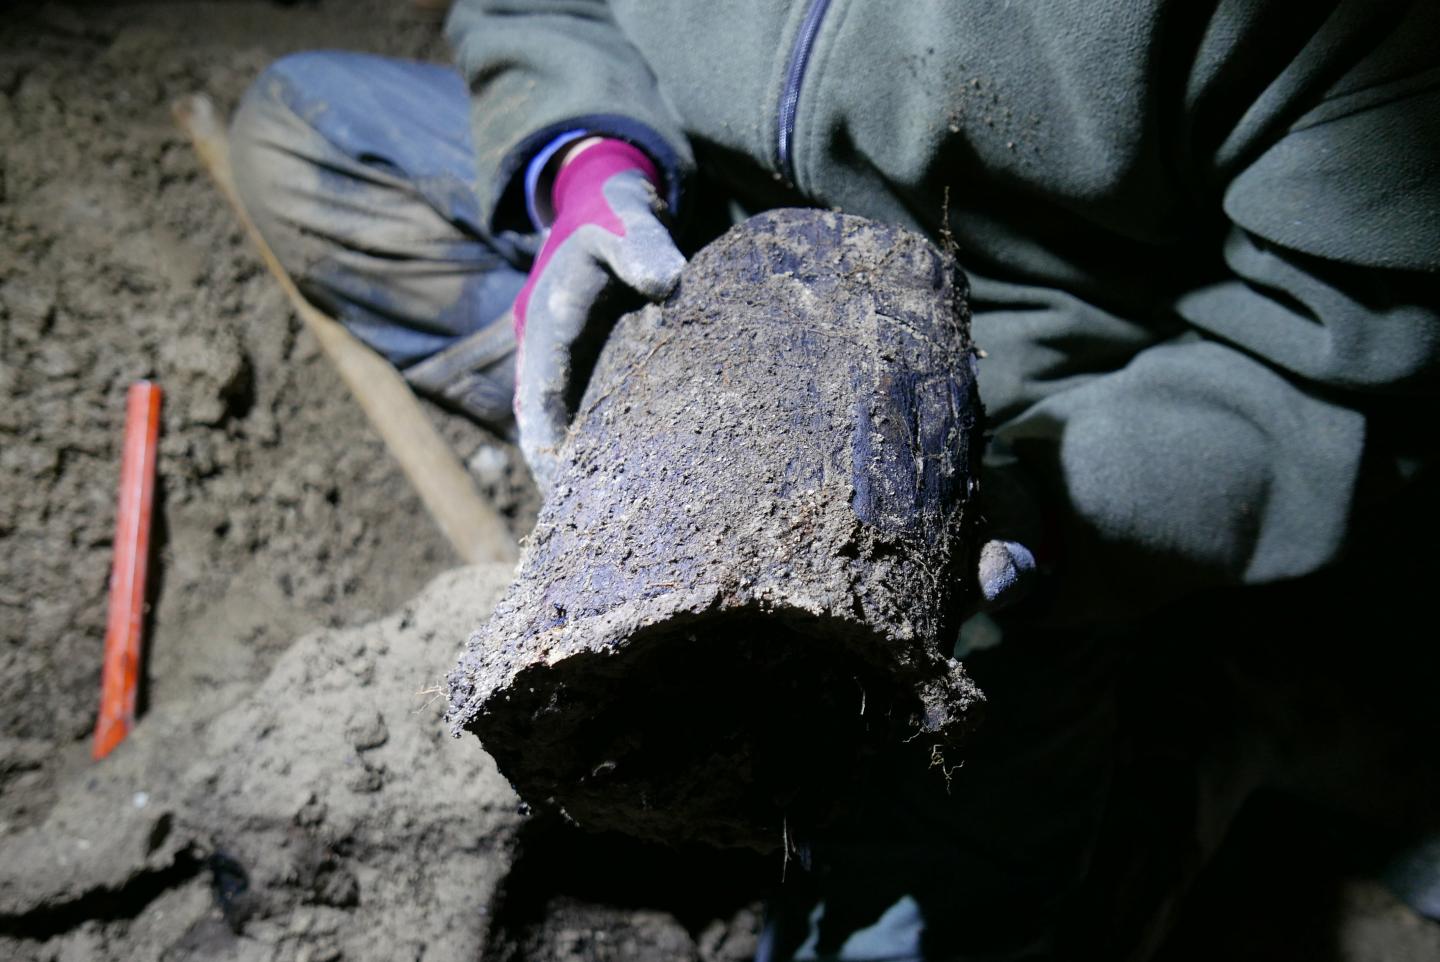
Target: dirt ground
[(305, 608), (281, 510), (280, 514)]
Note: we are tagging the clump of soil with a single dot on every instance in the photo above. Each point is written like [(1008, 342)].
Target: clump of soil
[(324, 809), (326, 814)]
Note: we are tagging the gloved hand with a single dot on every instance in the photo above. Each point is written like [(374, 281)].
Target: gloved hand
[(605, 231)]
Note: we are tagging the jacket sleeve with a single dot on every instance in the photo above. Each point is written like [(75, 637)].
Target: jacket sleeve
[(540, 68), (1236, 452)]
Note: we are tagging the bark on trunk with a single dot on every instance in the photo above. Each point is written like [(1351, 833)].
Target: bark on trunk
[(748, 577)]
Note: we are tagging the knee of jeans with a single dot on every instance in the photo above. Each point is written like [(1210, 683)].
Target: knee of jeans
[(270, 101), (273, 151), (308, 81), (277, 113), (271, 91), (257, 133), (272, 124)]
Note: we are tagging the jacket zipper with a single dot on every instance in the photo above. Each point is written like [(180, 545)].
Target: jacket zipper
[(794, 77)]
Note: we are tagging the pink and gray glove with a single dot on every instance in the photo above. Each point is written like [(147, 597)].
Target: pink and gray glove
[(606, 231)]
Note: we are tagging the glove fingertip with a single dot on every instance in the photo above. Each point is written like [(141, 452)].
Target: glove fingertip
[(539, 445), (656, 276), (1005, 570)]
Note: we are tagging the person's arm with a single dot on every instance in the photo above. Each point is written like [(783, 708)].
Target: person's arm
[(579, 149), (544, 68), (1235, 454)]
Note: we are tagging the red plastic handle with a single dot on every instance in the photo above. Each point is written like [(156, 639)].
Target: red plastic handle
[(120, 678)]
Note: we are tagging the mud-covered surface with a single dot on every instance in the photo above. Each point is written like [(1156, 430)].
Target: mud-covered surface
[(324, 814), (327, 814), (753, 556)]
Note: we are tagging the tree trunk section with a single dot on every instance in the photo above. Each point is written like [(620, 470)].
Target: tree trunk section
[(750, 572)]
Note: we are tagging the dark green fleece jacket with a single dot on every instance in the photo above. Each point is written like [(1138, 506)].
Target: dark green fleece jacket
[(1203, 238)]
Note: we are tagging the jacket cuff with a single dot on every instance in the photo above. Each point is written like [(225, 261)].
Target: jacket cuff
[(539, 181), (513, 208)]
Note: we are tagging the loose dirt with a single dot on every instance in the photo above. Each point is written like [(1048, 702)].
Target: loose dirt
[(326, 814)]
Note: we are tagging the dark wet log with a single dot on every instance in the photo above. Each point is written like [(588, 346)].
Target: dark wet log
[(749, 574)]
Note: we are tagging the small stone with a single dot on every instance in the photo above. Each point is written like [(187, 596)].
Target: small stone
[(311, 812), (337, 887), (369, 779), (489, 464), (317, 953), (366, 731)]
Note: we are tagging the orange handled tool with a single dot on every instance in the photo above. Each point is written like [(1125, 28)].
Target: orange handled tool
[(120, 678)]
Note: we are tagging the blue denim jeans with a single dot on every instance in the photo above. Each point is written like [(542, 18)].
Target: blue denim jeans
[(358, 170)]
